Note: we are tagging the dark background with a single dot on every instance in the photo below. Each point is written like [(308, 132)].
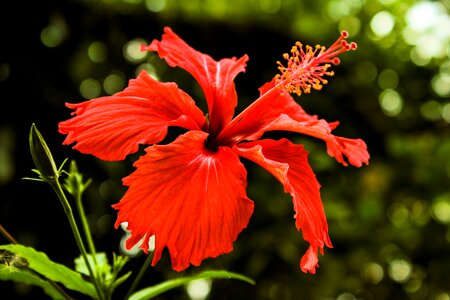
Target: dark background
[(389, 221)]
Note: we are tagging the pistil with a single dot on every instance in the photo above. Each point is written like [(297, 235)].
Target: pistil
[(306, 66)]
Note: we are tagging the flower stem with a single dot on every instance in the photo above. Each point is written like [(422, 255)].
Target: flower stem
[(68, 211), (139, 276), (86, 229)]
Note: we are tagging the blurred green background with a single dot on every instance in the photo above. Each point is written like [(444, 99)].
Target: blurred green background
[(389, 222)]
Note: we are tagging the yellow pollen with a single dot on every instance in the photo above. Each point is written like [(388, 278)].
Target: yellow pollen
[(306, 66)]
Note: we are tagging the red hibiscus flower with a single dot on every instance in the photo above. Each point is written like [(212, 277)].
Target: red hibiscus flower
[(191, 193)]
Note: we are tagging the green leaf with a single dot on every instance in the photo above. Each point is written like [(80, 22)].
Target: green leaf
[(19, 275), (102, 264), (120, 280), (119, 262), (155, 290), (107, 274), (41, 264)]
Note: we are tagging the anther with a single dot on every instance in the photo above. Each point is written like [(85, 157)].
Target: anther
[(306, 66)]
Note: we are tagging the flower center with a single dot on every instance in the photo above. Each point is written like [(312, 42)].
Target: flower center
[(307, 66), (211, 144)]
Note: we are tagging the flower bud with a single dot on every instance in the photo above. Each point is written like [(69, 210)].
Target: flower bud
[(74, 182), (41, 155)]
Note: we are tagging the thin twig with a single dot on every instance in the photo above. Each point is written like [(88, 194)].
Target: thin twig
[(7, 235)]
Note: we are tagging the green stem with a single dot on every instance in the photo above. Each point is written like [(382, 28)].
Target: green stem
[(68, 210), (139, 276), (86, 229)]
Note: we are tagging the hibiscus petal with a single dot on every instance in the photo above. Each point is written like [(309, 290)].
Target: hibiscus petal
[(289, 164), (355, 150), (276, 110), (215, 78), (252, 122), (288, 105), (191, 199), (112, 127)]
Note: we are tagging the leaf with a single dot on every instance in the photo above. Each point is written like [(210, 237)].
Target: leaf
[(152, 291), (40, 263), (26, 277), (102, 265), (120, 280), (107, 274)]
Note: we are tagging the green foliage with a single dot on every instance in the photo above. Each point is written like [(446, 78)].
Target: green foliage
[(153, 291), (8, 271), (74, 182), (108, 274), (42, 265)]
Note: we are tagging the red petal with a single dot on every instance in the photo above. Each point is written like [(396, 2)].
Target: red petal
[(215, 78), (277, 110), (289, 164), (192, 200), (252, 122), (354, 149), (114, 126), (288, 105), (309, 261)]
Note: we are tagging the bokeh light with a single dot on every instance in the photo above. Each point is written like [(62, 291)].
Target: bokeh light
[(155, 5), (428, 30), (373, 273), (442, 296), (7, 145), (441, 85), (431, 110), (441, 208), (382, 23), (5, 70), (198, 289), (391, 102), (350, 24), (346, 296), (132, 52), (114, 83), (366, 72), (97, 52), (148, 67), (446, 112), (388, 79), (400, 270), (90, 88), (55, 33)]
